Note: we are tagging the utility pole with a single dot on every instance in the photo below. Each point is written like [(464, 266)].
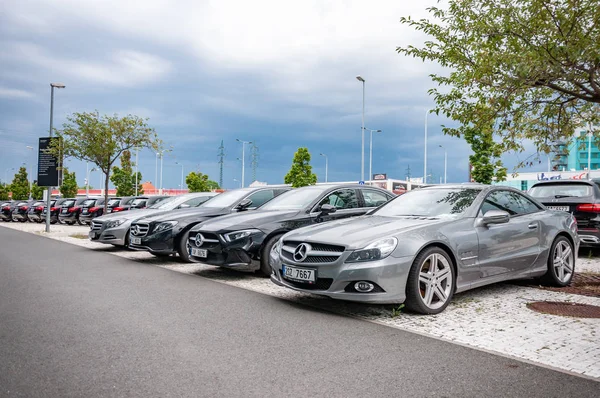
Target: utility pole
[(408, 173), (221, 156), (254, 160)]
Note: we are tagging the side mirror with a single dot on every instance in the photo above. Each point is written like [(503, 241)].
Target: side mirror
[(327, 209), (495, 217), (244, 204)]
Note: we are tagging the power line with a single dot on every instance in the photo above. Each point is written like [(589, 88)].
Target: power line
[(221, 162)]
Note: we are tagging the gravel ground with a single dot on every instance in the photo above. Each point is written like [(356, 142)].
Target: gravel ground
[(493, 318)]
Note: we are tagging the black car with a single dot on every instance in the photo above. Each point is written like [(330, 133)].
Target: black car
[(19, 212), (244, 241), (70, 210), (34, 214), (90, 209), (120, 204), (145, 202), (6, 210), (55, 205), (167, 234), (578, 197)]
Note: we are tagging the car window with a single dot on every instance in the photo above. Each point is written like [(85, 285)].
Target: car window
[(194, 202), (68, 203), (127, 201), (374, 198), (89, 202), (139, 202), (504, 201), (560, 190), (341, 199), (113, 202), (261, 197), (527, 205)]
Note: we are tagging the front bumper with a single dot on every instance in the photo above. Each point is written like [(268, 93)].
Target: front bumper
[(241, 255), (161, 242), (113, 236)]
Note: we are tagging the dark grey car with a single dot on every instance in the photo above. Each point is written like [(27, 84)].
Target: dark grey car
[(426, 245)]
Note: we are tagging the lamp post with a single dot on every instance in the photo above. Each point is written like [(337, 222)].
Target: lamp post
[(156, 172), (589, 167), (326, 164), (445, 162), (243, 157), (181, 185), (371, 152), (87, 179), (29, 171), (48, 196), (362, 148), (161, 173), (425, 159), (136, 171)]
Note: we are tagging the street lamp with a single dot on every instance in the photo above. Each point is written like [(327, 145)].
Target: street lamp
[(52, 87), (136, 171), (156, 172), (326, 165), (181, 185), (236, 180), (425, 160), (362, 148), (29, 170), (87, 179), (445, 162), (371, 152), (243, 157)]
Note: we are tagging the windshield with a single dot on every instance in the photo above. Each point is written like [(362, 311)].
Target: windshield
[(560, 190), (68, 203), (89, 202), (294, 200), (166, 204), (226, 199), (113, 202), (430, 203)]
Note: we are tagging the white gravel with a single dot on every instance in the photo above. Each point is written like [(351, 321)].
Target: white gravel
[(493, 318)]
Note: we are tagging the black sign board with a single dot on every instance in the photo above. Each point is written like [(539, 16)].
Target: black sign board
[(48, 165)]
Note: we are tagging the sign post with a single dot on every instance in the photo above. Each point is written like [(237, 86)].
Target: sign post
[(47, 172)]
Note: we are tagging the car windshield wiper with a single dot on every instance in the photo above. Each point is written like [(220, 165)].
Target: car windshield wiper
[(563, 196)]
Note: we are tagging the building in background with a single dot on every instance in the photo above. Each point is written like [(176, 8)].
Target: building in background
[(573, 155)]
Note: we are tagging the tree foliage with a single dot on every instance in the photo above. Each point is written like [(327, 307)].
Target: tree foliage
[(528, 68), (37, 192), (4, 190), (68, 189), (101, 140), (485, 160), (198, 182), (301, 175), (20, 185), (124, 177), (212, 185)]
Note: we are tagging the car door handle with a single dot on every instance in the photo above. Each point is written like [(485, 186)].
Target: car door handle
[(532, 226)]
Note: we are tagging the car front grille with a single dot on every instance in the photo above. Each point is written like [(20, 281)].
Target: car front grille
[(96, 225), (208, 241), (140, 229), (319, 253)]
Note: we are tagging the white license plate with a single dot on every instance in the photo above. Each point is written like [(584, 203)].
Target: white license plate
[(64, 211), (198, 252), (85, 211), (299, 274), (109, 210), (559, 208), (136, 241)]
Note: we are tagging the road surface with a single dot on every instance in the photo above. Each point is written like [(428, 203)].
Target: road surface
[(78, 323)]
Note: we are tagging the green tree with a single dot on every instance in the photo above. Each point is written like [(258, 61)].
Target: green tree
[(124, 177), (68, 189), (212, 185), (4, 190), (102, 140), (301, 175), (485, 160), (37, 192), (198, 182), (20, 185), (528, 68)]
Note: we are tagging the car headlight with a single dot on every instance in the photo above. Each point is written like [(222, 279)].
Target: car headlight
[(233, 236), (165, 226), (374, 251), (114, 223)]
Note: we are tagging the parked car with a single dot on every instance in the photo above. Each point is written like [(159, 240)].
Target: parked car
[(20, 211), (244, 240), (121, 204), (166, 234), (114, 228), (34, 214), (90, 209), (426, 245), (6, 210), (144, 202), (578, 197), (70, 211), (55, 206)]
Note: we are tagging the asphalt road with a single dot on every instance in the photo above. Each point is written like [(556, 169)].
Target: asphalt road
[(74, 322)]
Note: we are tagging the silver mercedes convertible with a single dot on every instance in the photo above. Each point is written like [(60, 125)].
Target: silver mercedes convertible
[(428, 244)]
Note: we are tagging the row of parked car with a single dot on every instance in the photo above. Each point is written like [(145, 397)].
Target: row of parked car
[(362, 243), (72, 210)]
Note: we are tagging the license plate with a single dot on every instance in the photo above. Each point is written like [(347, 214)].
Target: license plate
[(299, 274), (109, 210), (559, 208), (136, 241), (198, 252), (85, 211), (64, 211)]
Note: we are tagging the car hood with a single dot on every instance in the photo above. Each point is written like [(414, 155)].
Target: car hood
[(183, 214), (245, 220), (130, 214), (355, 233)]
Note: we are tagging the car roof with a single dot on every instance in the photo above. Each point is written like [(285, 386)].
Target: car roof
[(551, 182)]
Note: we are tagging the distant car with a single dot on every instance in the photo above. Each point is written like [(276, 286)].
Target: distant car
[(70, 210), (166, 234), (428, 244), (578, 197), (55, 205), (120, 204), (90, 209), (6, 210), (144, 202), (34, 214), (114, 228), (20, 211), (244, 240)]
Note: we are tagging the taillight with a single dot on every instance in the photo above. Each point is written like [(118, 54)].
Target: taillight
[(54, 209), (118, 209), (39, 208), (73, 209), (24, 208), (94, 209), (589, 207), (5, 208)]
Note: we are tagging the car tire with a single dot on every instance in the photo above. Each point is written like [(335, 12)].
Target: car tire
[(561, 263), (265, 255), (80, 222), (431, 281), (182, 248), (22, 220)]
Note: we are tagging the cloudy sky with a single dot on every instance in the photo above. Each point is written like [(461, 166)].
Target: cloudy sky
[(279, 73)]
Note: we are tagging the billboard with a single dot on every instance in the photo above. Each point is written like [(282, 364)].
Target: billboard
[(48, 165), (380, 176)]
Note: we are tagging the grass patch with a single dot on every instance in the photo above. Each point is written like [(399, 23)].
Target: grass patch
[(79, 236)]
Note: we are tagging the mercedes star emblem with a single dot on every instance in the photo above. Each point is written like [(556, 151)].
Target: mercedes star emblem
[(199, 240), (301, 252), (135, 230)]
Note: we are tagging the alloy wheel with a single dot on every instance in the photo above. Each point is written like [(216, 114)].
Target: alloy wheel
[(563, 261), (435, 281)]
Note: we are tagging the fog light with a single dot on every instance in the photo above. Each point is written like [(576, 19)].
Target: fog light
[(364, 287)]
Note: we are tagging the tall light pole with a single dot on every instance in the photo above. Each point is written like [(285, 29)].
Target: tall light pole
[(326, 165), (371, 152), (589, 148), (362, 131), (445, 162), (181, 185), (161, 172), (29, 170), (136, 171), (87, 179), (243, 157), (156, 172), (52, 87), (425, 159)]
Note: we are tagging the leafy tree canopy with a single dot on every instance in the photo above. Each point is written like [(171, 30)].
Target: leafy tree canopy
[(198, 182), (301, 175), (124, 177), (20, 185), (37, 192), (68, 189), (4, 189), (212, 185), (530, 69)]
